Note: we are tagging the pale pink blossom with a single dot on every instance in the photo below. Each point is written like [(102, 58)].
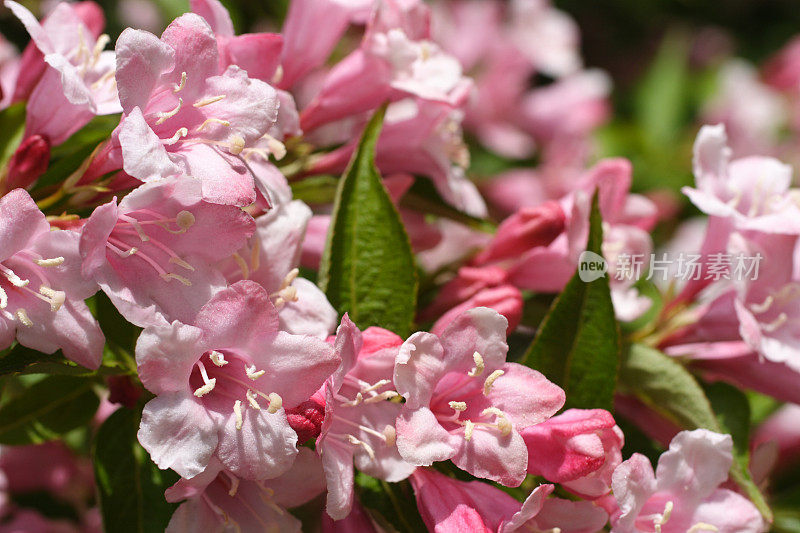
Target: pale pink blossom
[(223, 384), (151, 254), (684, 493), (465, 403), (41, 287)]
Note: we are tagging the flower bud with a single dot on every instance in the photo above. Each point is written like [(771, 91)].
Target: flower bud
[(28, 162), (306, 419), (530, 227)]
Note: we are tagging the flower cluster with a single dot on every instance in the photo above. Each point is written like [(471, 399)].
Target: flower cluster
[(168, 215)]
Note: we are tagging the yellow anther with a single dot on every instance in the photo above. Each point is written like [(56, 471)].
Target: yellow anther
[(208, 101), (170, 276), (479, 365), (458, 406), (180, 85), (205, 389), (217, 358), (22, 315), (252, 373), (237, 411), (275, 403), (166, 115), (390, 435), (469, 427), (182, 132), (208, 121), (180, 262), (54, 261), (236, 144), (251, 398), (487, 385), (185, 220)]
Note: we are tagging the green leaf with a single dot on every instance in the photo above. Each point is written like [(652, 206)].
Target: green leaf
[(130, 487), (667, 387), (423, 197), (47, 409), (391, 505), (315, 189), (732, 409), (12, 127), (577, 345), (367, 269), (20, 358)]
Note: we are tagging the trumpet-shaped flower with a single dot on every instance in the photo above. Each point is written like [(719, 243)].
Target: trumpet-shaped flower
[(223, 384), (41, 287), (150, 253), (465, 403)]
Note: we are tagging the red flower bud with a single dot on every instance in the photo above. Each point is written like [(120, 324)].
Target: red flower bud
[(306, 419), (28, 162)]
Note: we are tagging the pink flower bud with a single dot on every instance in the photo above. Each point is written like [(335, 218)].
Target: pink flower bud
[(306, 419), (530, 227), (505, 299), (28, 162), (123, 391)]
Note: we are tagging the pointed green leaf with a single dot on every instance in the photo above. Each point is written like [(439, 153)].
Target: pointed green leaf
[(48, 409), (577, 345), (367, 268), (12, 126), (129, 485)]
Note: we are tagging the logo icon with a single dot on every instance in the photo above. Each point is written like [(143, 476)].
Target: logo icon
[(591, 266)]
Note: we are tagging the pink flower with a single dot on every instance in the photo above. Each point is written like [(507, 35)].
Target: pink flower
[(359, 421), (421, 137), (396, 59), (684, 494), (465, 403), (222, 385), (579, 448), (182, 117), (753, 192), (150, 254), (271, 257), (77, 82), (451, 506), (41, 287), (218, 500)]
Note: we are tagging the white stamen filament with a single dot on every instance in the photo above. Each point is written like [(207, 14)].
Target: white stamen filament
[(55, 298), (180, 262), (166, 115), (275, 403), (702, 526), (487, 385), (170, 276), (208, 121), (252, 373), (469, 427), (22, 315), (479, 365), (242, 264), (136, 226), (377, 385), (237, 411), (251, 398), (182, 132), (54, 261), (179, 86), (208, 101), (352, 403), (775, 324), (355, 441), (217, 358)]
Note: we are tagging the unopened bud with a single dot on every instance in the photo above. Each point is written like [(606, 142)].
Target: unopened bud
[(29, 162), (528, 228), (306, 419)]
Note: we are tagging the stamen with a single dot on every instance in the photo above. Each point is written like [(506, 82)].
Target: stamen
[(3, 298), (663, 518), (169, 275), (217, 358), (251, 398), (234, 484), (136, 226), (352, 403), (377, 385), (353, 440), (255, 255), (55, 261), (185, 220), (242, 264), (163, 116), (763, 306), (458, 406), (237, 410), (180, 262), (276, 148), (180, 85), (101, 43), (55, 298), (479, 365), (278, 76), (213, 121), (275, 403), (12, 277), (469, 427), (208, 101), (205, 389), (22, 315), (236, 144), (388, 395), (487, 385), (775, 324), (390, 435), (252, 373), (182, 132), (502, 421), (702, 526)]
